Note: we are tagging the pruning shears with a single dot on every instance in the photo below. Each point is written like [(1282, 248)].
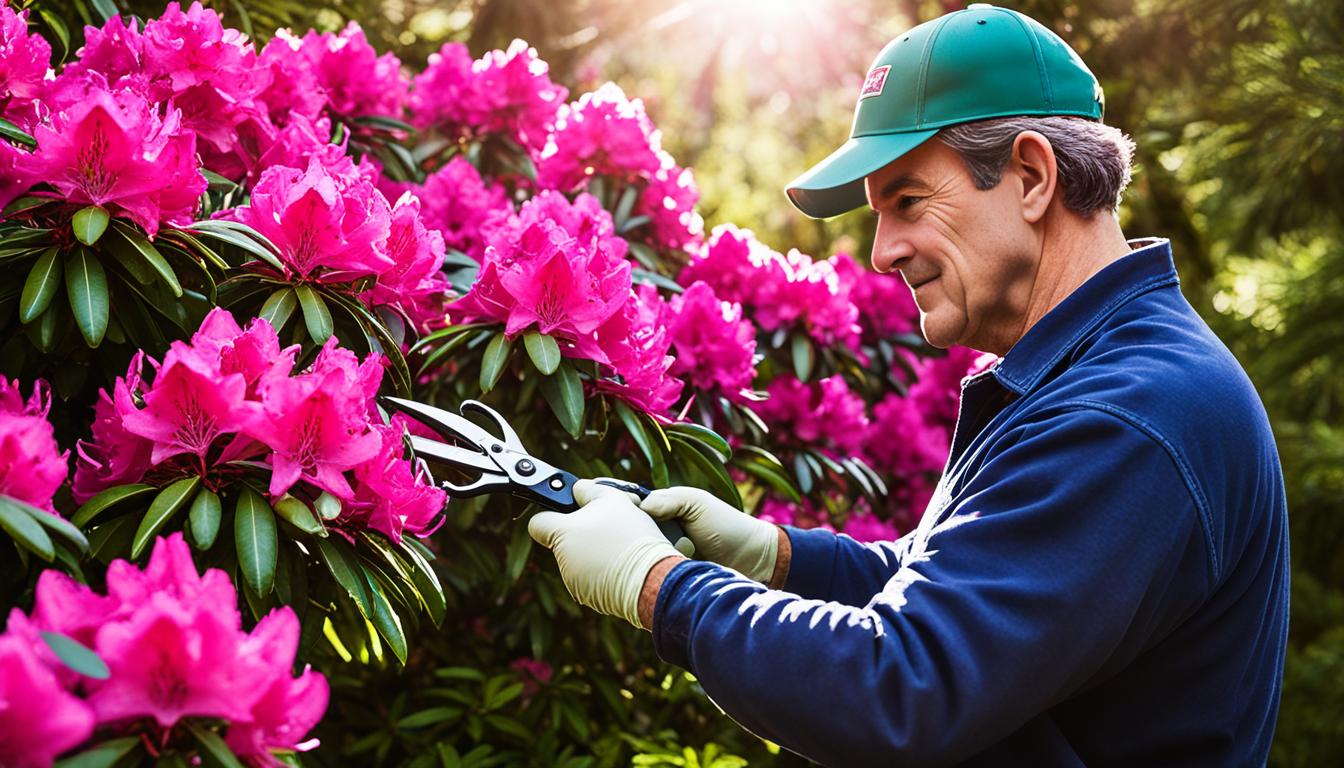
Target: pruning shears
[(503, 462)]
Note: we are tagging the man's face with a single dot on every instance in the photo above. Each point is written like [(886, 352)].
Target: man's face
[(968, 255)]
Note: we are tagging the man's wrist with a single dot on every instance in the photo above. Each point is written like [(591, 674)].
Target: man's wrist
[(782, 560), (653, 582)]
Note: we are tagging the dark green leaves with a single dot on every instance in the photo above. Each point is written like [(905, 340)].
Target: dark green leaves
[(494, 361), (167, 504), (297, 513), (564, 393), (316, 316), (89, 224), (25, 530), (204, 518), (108, 499), (543, 350), (76, 655), (344, 566), (255, 537), (140, 248), (43, 281), (12, 132), (278, 307), (86, 287)]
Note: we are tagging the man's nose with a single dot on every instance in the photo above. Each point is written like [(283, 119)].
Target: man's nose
[(890, 254)]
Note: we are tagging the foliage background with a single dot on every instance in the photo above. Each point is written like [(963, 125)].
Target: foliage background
[(1237, 107)]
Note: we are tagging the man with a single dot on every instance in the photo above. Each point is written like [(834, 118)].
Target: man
[(1102, 575)]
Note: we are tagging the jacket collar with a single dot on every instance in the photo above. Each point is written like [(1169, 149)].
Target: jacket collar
[(1063, 328)]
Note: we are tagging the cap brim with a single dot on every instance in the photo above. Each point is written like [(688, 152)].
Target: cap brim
[(835, 185)]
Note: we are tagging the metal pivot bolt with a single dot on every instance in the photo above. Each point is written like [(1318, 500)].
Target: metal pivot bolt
[(525, 467), (557, 483)]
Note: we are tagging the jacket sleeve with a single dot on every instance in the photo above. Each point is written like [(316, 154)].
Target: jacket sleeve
[(832, 566), (1073, 547)]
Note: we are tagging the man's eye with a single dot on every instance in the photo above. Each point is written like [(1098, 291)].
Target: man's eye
[(907, 200)]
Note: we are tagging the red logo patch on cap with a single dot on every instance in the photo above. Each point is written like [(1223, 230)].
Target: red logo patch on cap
[(872, 86)]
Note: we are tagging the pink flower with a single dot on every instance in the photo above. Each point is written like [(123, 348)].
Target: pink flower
[(886, 306), (456, 202), (302, 139), (191, 404), (24, 60), (330, 224), (212, 75), (823, 414), (782, 512), (902, 441), (669, 201), (413, 283), (32, 466), (353, 79), (533, 672), (254, 353), (288, 707), (555, 266), (113, 51), (636, 343), (292, 89), (16, 175), (319, 422), (863, 525), (936, 391), (395, 498), (174, 647), (735, 264), (508, 93), (715, 347), (602, 134), (39, 717), (109, 147), (113, 456)]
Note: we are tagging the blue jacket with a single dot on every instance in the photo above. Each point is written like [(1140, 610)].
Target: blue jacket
[(1100, 579)]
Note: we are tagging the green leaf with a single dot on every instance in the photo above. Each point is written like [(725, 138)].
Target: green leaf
[(705, 436), (255, 537), (299, 515), (214, 751), (204, 518), (40, 287), (564, 393), (53, 523), (623, 208), (86, 287), (426, 582), (89, 224), (543, 350), (150, 254), (14, 133), (169, 501), (345, 568), (720, 484), (636, 429), (25, 530), (494, 361), (107, 500), (515, 558), (804, 356), (765, 466), (315, 313), (387, 621), (104, 755), (106, 8), (76, 655), (384, 122), (241, 236), (218, 183), (58, 28), (429, 717), (278, 307)]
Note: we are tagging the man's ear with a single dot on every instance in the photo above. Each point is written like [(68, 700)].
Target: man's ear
[(1033, 161)]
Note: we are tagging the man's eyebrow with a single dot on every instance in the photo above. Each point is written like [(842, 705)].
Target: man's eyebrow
[(895, 185)]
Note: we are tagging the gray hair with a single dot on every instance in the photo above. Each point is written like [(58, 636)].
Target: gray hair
[(1093, 159)]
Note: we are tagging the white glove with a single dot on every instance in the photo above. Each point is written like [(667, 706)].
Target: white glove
[(605, 549), (720, 532)]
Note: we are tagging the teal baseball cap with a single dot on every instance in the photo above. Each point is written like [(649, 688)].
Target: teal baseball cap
[(974, 64)]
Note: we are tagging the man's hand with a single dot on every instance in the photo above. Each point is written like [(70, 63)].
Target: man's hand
[(605, 549), (720, 533)]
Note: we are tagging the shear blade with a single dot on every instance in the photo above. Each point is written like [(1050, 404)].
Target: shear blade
[(463, 458)]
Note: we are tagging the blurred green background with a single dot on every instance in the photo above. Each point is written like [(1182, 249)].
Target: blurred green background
[(1237, 107)]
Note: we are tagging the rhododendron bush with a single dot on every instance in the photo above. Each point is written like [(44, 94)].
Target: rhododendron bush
[(219, 251)]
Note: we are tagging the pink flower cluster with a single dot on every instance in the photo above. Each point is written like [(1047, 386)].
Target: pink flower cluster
[(776, 289), (230, 395), (24, 59), (457, 202), (332, 225), (823, 414), (559, 267), (174, 645), (32, 466), (715, 346), (885, 304), (605, 134), (507, 93), (337, 72)]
